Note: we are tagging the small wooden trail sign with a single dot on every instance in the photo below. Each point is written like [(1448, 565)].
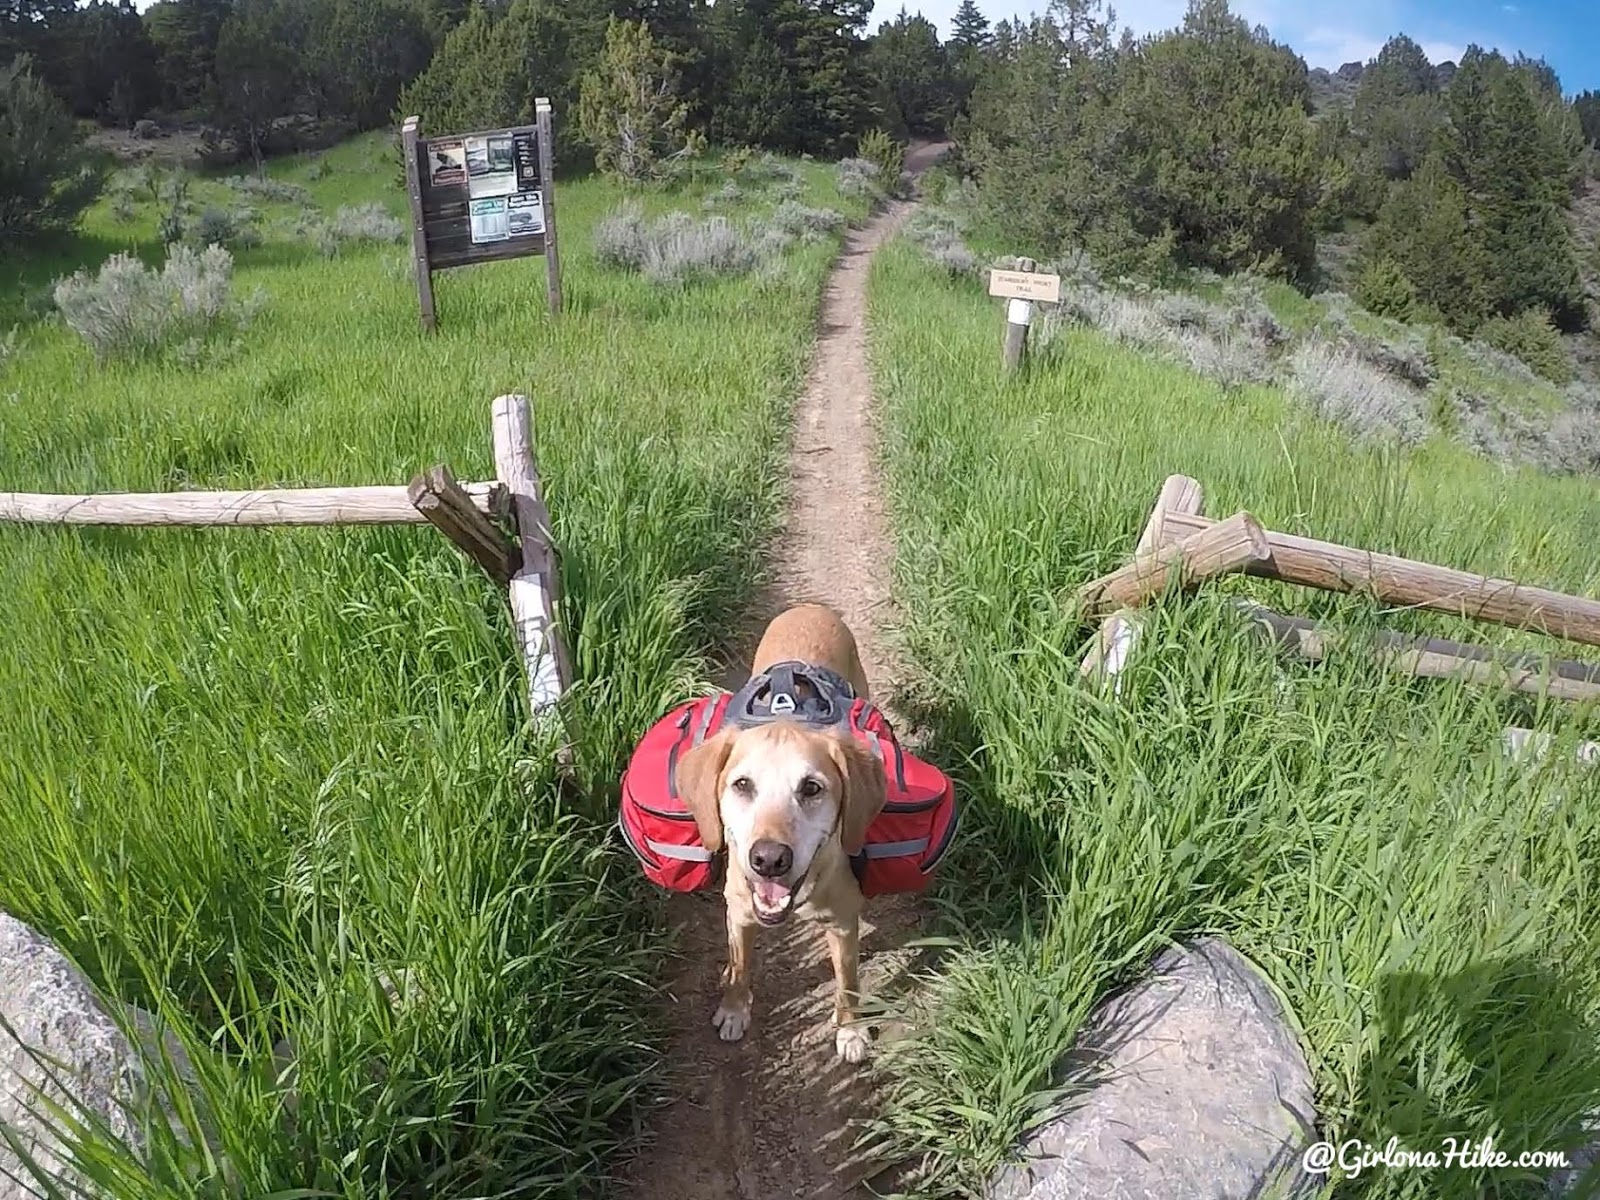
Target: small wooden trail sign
[(481, 197), (1021, 289), (1025, 285)]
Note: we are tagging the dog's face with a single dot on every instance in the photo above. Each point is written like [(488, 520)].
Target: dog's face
[(775, 796)]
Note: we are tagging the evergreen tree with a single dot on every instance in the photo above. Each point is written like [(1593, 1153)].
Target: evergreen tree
[(1425, 230), (46, 177), (472, 82), (967, 52), (185, 33), (1516, 170), (1220, 127), (41, 29), (491, 68), (628, 107), (797, 74), (114, 68), (1397, 112), (969, 28), (257, 69), (678, 29), (913, 75), (362, 53), (1587, 107)]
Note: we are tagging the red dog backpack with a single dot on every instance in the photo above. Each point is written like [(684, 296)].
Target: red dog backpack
[(904, 843)]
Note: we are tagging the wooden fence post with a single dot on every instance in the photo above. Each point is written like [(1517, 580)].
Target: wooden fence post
[(552, 253), (1019, 316), (1109, 651), (419, 235), (534, 588), (1227, 546)]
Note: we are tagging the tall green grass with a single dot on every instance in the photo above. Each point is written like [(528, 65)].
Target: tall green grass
[(1426, 907), (250, 774)]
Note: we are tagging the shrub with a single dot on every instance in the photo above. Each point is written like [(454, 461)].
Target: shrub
[(277, 191), (859, 177), (1384, 289), (743, 165), (1497, 361), (937, 233), (1410, 359), (798, 220), (729, 193), (878, 148), (675, 248), (1531, 336), (364, 223), (129, 311), (218, 227), (954, 256), (1338, 386), (320, 169), (352, 225), (47, 176)]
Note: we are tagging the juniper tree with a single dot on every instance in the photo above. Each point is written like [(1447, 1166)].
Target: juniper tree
[(628, 106)]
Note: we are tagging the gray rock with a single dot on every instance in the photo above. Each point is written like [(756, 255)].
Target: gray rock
[(51, 1008), (1582, 1164), (1196, 1089)]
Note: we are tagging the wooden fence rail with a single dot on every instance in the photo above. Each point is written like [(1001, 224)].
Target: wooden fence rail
[(377, 505), (1177, 524), (1412, 584), (467, 514)]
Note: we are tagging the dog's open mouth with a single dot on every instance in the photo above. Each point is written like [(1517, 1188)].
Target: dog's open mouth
[(774, 899)]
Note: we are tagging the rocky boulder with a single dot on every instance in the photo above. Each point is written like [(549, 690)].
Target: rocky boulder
[(49, 1007), (1196, 1087)]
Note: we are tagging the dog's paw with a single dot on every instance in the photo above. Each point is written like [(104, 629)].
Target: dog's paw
[(851, 1043), (731, 1022)]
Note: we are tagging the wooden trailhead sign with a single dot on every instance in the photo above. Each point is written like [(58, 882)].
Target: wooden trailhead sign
[(481, 197), (1025, 285)]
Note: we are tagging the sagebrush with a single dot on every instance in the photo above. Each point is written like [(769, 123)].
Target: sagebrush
[(127, 310)]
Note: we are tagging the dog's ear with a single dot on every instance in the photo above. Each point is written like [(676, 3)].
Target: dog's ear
[(698, 774), (866, 790)]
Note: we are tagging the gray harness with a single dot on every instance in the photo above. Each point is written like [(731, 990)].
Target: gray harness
[(793, 691)]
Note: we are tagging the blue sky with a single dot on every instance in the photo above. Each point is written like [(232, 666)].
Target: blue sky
[(1329, 32)]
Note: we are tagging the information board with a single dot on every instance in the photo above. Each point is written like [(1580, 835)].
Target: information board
[(481, 197)]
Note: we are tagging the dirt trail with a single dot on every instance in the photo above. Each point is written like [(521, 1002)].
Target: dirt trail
[(770, 1117)]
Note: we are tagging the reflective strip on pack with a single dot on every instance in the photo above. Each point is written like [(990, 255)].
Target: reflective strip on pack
[(682, 853), (896, 849)]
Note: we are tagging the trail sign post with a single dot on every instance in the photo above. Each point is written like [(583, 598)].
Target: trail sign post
[(481, 197), (1020, 289)]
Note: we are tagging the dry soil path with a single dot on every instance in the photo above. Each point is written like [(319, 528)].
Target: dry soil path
[(771, 1117)]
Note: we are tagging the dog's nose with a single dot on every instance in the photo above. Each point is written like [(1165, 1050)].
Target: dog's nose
[(771, 859)]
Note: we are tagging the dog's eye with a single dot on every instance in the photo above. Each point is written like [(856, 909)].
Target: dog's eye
[(810, 788), (743, 786)]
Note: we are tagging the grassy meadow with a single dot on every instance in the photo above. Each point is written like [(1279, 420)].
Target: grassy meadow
[(1425, 905), (253, 774)]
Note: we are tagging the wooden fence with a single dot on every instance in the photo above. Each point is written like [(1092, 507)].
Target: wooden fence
[(501, 524), (1180, 544)]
